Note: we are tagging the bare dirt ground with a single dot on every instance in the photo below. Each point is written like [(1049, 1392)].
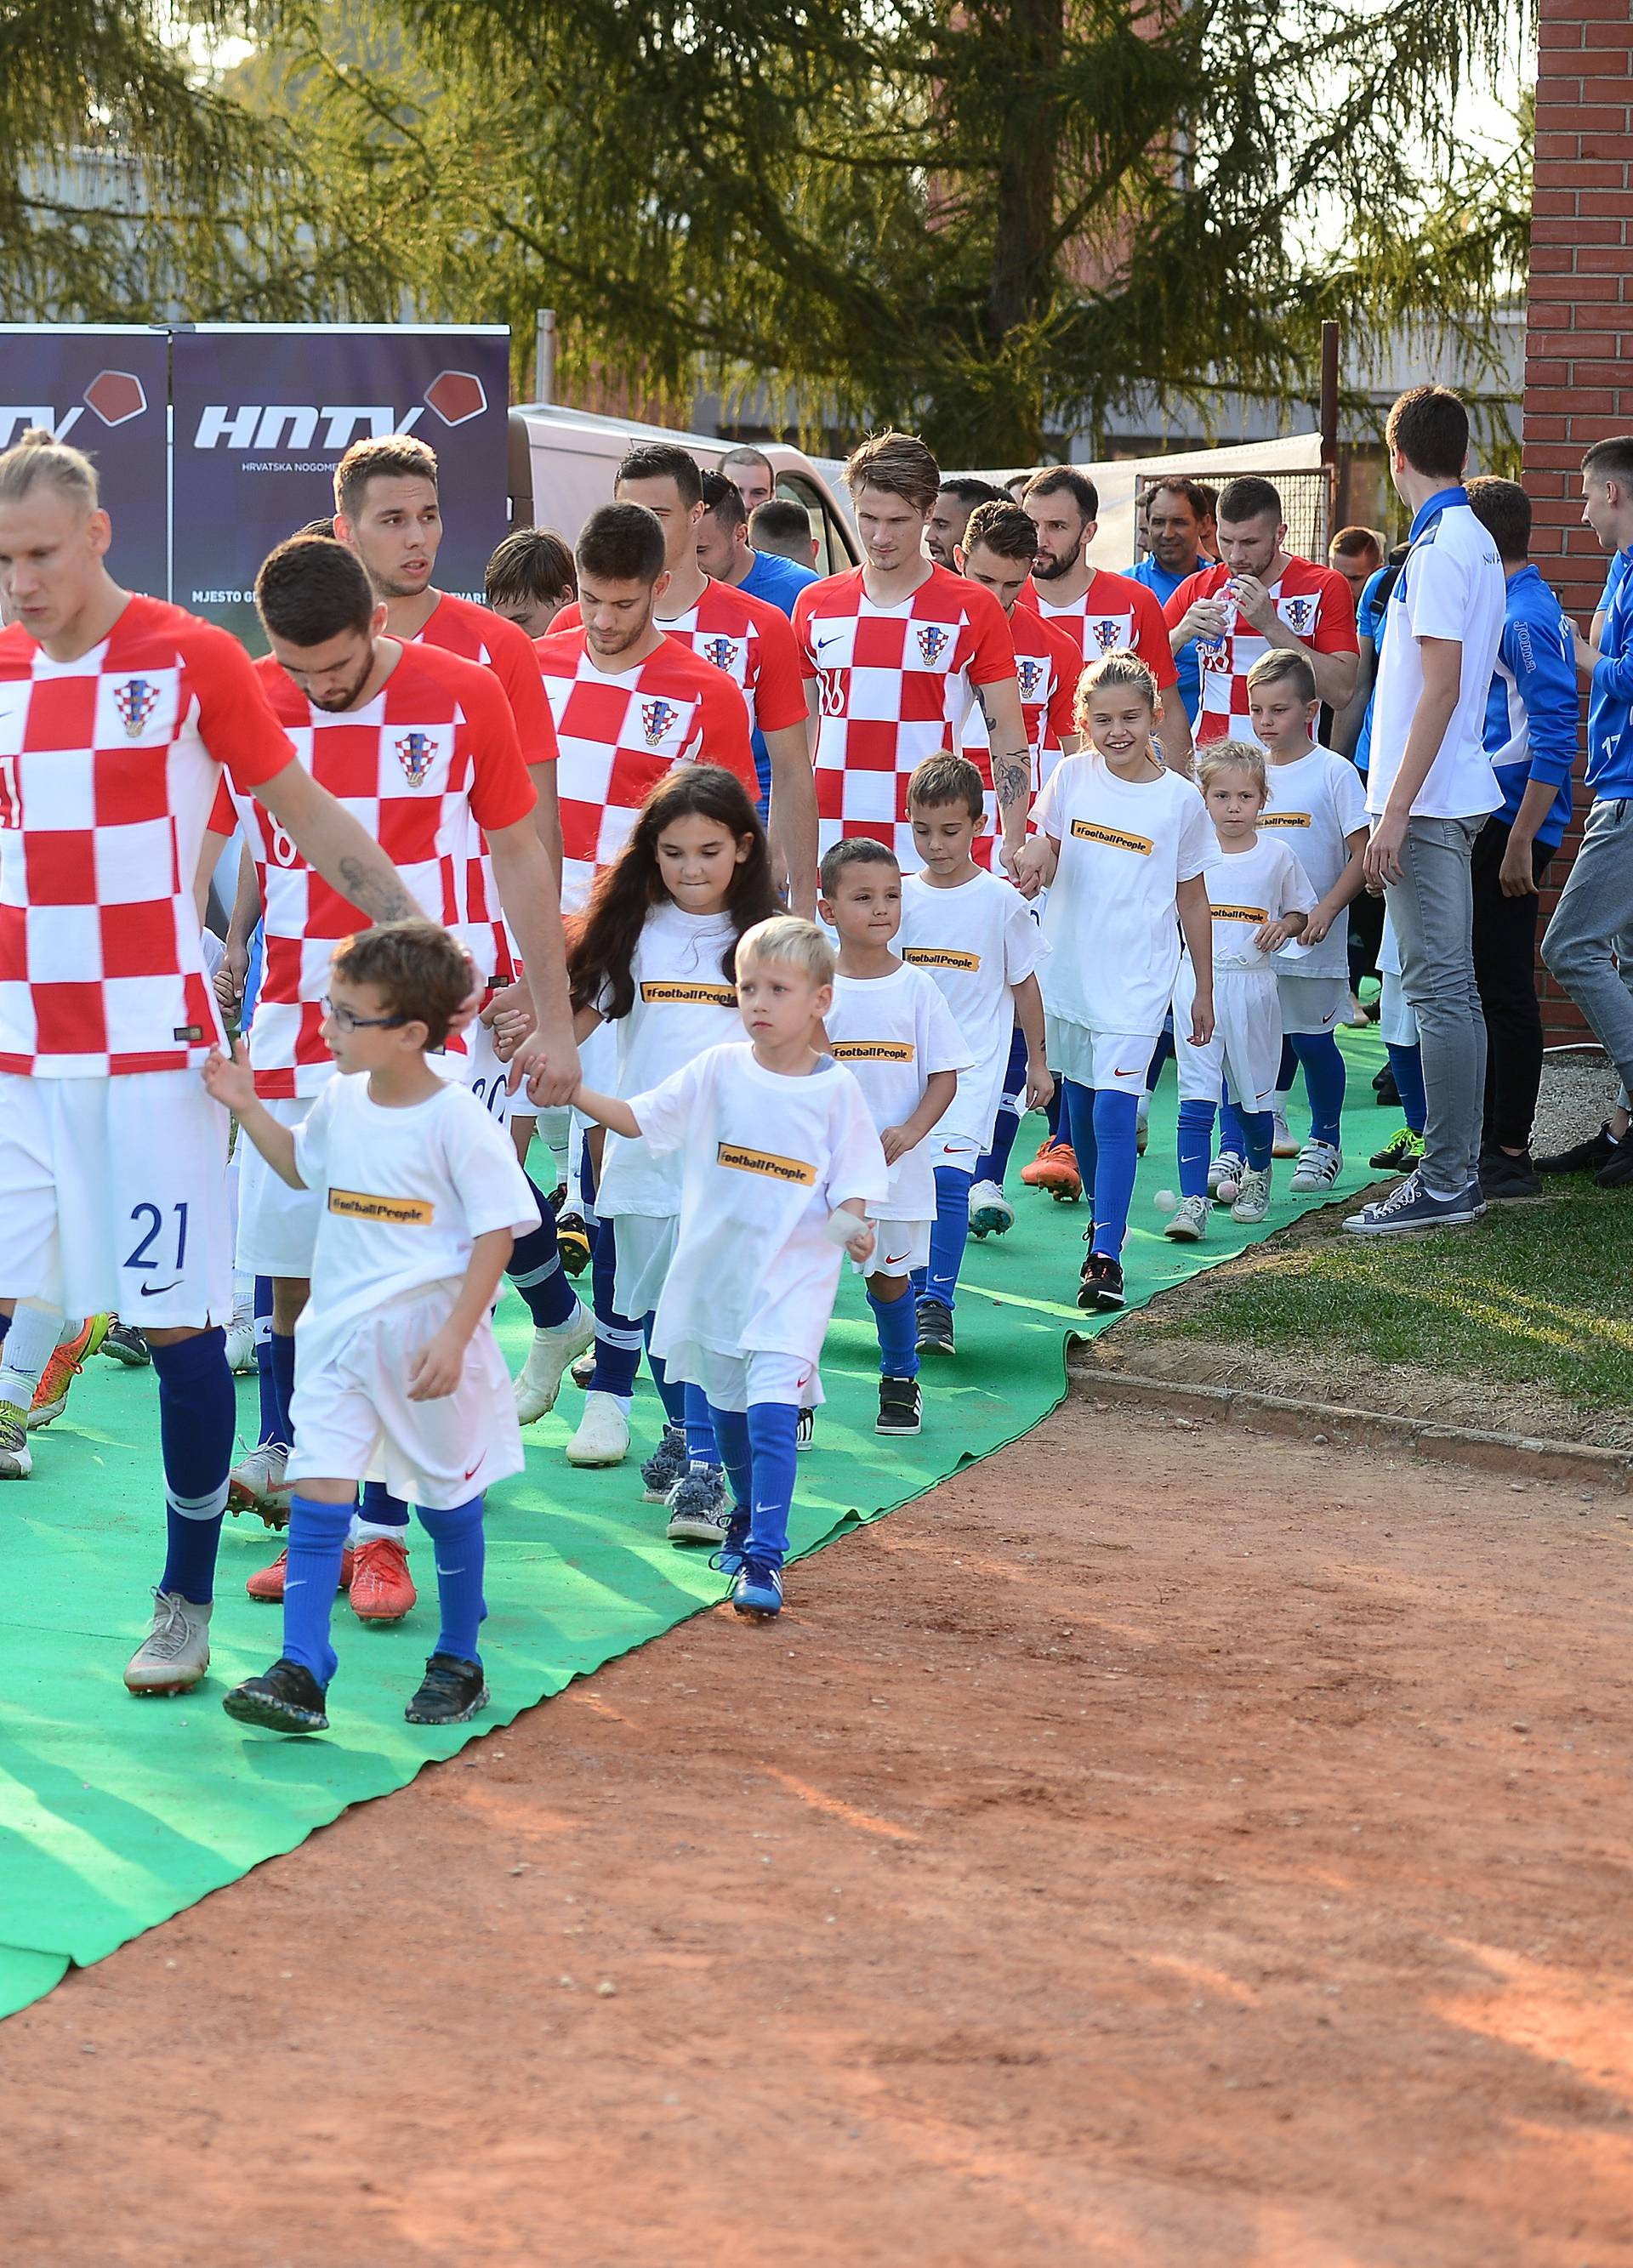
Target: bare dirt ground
[(1160, 1849)]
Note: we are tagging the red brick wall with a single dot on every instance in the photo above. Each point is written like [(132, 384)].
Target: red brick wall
[(1580, 333)]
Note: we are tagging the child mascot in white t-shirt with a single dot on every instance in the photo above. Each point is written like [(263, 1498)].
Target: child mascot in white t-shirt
[(781, 1163), (399, 1373)]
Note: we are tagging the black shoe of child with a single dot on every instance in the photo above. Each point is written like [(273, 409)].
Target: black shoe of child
[(286, 1699), (1589, 1157), (936, 1328), (1102, 1284), (900, 1406), (1616, 1173), (573, 1242), (1507, 1181), (450, 1693)]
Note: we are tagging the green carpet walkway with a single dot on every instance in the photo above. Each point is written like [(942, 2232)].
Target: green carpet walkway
[(116, 1813)]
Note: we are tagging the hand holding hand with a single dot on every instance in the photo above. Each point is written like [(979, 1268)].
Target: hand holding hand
[(1317, 927), (551, 1070), (230, 1081), (1271, 936)]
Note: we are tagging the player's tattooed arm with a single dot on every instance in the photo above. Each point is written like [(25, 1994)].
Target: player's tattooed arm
[(338, 845), (1012, 760)]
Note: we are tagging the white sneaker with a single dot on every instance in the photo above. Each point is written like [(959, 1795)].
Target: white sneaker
[(16, 1458), (1319, 1165), (240, 1345), (258, 1484), (1224, 1175), (1281, 1143), (990, 1212), (1189, 1224), (175, 1652), (548, 1358), (1253, 1199), (603, 1433)]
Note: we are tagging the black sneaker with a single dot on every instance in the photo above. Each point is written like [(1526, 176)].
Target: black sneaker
[(573, 1242), (1102, 1284), (899, 1406), (126, 1345), (1617, 1171), (1507, 1181), (805, 1430), (1589, 1157), (450, 1692), (936, 1328), (286, 1699), (1385, 1088)]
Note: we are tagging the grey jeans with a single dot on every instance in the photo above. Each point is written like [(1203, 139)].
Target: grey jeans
[(1432, 906), (1593, 922)]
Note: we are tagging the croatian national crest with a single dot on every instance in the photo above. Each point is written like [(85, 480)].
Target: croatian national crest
[(1029, 674), (1299, 615), (932, 644), (136, 700), (416, 752), (1108, 632), (657, 718), (722, 652)]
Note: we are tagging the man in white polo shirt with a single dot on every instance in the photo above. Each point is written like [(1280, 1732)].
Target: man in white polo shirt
[(1430, 789)]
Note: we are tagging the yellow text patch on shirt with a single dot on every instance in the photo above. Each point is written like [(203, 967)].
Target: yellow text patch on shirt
[(1285, 819), (395, 1213), (1090, 830), (742, 1160), (939, 956), (1253, 913), (675, 993), (873, 1051)]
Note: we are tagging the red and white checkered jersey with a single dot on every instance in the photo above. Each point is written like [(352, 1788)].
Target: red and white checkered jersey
[(476, 634), (1047, 666), (894, 682), (1114, 611), (1316, 604), (618, 732), (747, 638), (109, 770), (431, 758)]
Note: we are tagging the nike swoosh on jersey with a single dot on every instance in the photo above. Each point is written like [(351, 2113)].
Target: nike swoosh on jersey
[(152, 1291)]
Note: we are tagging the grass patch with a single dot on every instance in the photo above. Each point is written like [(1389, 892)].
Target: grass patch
[(1538, 1296)]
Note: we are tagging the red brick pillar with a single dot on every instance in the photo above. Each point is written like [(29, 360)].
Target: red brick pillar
[(1580, 328)]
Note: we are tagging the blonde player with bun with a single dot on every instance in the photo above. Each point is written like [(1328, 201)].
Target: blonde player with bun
[(780, 1163), (1121, 845)]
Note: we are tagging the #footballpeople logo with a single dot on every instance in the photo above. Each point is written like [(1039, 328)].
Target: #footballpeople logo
[(932, 644), (1031, 672), (657, 718), (415, 753), (722, 652), (136, 700)]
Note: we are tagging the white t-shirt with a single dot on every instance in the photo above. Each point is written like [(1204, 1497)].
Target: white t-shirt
[(978, 940), (766, 1160), (1315, 805), (1248, 889), (406, 1193), (1450, 586), (684, 1003), (891, 1033), (1111, 921)]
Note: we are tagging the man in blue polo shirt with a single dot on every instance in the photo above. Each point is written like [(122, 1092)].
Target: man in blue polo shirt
[(1530, 737), (1589, 944), (1430, 790), (726, 556), (1176, 512)]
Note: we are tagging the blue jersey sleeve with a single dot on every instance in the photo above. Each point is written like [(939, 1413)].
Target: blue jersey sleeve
[(1542, 659)]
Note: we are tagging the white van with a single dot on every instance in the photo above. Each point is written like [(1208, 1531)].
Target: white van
[(562, 462)]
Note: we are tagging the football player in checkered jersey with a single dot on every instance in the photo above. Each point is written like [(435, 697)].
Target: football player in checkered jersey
[(422, 746), (894, 651), (118, 714), (746, 638), (997, 553), (1104, 613), (1258, 596)]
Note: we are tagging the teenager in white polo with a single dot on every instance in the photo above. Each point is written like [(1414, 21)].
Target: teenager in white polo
[(1430, 789)]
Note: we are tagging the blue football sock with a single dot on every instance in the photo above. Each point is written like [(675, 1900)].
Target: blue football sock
[(316, 1546), (1077, 1127), (1289, 1070), (1160, 1054), (731, 1432), (1105, 1120), (281, 1347), (992, 1167), (1258, 1134), (702, 1448), (1407, 1066), (379, 1508), (536, 1271), (460, 1551), (1324, 1079), (671, 1391), (1055, 1112), (1232, 1133), (619, 1338), (198, 1414), (5, 1325), (773, 1435), (898, 1326), (1196, 1143), (264, 1363), (949, 1233)]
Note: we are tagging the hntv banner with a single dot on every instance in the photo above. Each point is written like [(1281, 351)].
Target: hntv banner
[(263, 414), (102, 388)]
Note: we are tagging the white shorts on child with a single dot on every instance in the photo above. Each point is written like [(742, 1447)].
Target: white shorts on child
[(116, 1197), (1397, 1018), (1311, 1004), (1118, 1060), (737, 1381), (645, 1245), (898, 1247), (353, 1419), (1246, 1045), (960, 1150), (278, 1227)]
